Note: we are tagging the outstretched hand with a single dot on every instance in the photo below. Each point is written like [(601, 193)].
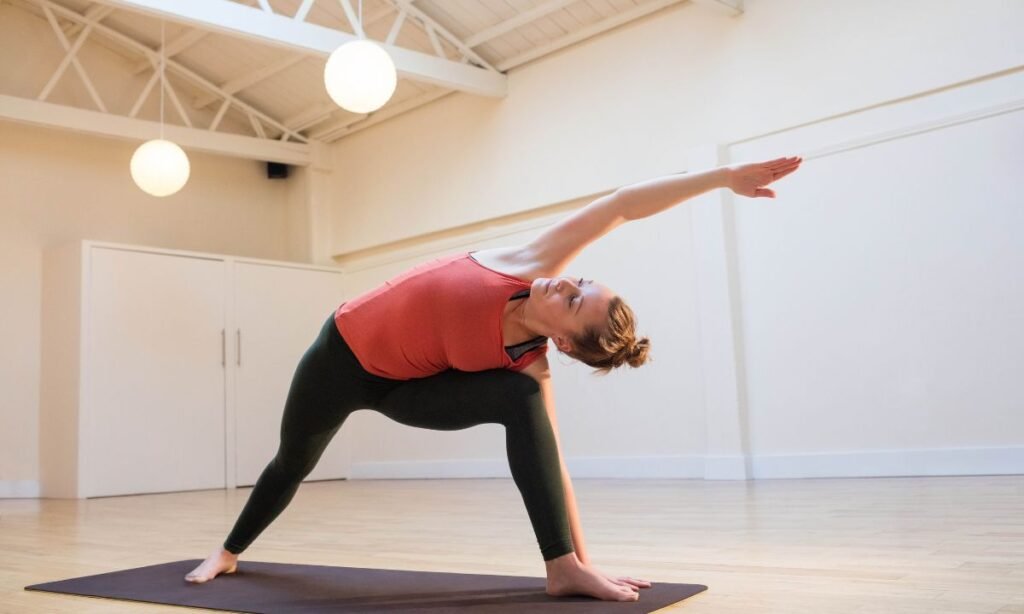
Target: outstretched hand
[(750, 179)]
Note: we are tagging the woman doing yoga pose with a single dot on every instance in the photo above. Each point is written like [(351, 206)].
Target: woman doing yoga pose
[(461, 341)]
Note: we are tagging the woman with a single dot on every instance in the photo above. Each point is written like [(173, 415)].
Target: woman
[(461, 341)]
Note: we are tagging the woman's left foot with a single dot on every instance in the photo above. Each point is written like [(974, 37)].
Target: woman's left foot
[(217, 563)]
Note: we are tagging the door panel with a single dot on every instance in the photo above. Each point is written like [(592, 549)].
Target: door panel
[(155, 400), (279, 312)]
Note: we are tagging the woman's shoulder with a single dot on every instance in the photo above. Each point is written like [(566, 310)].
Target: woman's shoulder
[(515, 261)]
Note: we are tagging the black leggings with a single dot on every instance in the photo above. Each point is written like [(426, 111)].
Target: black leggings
[(329, 384)]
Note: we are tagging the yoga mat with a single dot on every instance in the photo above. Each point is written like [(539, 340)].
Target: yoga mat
[(288, 589)]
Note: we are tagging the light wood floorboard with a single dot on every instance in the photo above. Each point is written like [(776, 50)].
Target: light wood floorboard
[(821, 546)]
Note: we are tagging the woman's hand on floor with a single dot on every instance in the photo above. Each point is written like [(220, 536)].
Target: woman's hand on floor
[(628, 581)]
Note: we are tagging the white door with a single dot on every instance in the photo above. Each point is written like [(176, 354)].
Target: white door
[(154, 377), (278, 314)]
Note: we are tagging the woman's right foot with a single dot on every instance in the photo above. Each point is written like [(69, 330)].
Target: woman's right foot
[(568, 577), (221, 561)]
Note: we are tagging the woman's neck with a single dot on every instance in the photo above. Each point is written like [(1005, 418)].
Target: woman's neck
[(518, 326)]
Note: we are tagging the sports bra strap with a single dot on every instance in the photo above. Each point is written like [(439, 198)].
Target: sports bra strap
[(517, 350)]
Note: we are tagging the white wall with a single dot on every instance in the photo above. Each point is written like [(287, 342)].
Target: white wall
[(57, 186), (632, 105), (883, 301), (628, 105)]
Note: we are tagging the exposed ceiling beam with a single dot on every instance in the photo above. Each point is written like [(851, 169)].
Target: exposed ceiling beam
[(69, 58), (522, 19), (311, 116), (174, 47), (729, 7), (95, 12), (116, 126), (240, 83), (351, 125), (353, 20), (431, 27), (171, 66), (593, 30), (300, 15), (255, 24)]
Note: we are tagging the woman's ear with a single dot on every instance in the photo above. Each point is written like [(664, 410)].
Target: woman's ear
[(562, 343)]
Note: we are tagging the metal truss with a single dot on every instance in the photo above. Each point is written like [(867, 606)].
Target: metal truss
[(468, 72), (289, 146)]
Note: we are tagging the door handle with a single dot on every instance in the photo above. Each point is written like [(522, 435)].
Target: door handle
[(239, 341), (223, 348)]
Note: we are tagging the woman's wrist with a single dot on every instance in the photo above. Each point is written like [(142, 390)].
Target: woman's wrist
[(723, 177)]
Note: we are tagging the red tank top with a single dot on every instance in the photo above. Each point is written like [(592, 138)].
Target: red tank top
[(443, 314)]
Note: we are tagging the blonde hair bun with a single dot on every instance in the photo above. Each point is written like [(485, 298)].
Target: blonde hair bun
[(638, 352)]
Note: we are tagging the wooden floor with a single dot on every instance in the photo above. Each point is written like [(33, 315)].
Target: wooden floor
[(821, 546)]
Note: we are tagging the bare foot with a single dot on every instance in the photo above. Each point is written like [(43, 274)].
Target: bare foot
[(221, 561), (567, 576)]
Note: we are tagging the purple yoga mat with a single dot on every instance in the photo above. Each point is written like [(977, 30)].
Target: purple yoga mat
[(287, 588)]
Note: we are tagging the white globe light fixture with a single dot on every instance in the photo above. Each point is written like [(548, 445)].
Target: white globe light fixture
[(360, 76), (159, 167)]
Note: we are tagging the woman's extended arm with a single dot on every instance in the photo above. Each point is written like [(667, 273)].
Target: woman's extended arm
[(540, 371), (644, 199), (553, 249), (571, 509)]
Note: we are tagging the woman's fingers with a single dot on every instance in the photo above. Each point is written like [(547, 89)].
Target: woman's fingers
[(764, 192), (783, 173), (632, 584), (636, 582), (783, 163), (789, 164)]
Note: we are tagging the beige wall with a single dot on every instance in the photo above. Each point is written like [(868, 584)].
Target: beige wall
[(623, 107), (627, 105), (868, 393), (57, 186)]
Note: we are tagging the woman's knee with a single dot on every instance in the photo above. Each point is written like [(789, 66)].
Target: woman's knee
[(299, 453), (522, 400), (293, 468), (520, 386)]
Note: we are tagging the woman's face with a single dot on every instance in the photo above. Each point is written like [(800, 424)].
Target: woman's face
[(561, 308)]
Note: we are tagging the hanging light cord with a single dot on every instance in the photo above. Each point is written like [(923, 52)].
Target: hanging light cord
[(163, 69)]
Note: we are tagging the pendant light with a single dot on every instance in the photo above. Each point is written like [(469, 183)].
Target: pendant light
[(360, 76), (160, 167)]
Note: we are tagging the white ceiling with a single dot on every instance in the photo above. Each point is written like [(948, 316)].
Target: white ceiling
[(245, 70)]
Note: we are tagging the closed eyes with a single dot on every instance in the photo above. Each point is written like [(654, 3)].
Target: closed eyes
[(580, 283)]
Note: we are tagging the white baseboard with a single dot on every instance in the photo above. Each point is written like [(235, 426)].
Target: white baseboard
[(893, 463), (884, 463), (647, 467), (19, 489)]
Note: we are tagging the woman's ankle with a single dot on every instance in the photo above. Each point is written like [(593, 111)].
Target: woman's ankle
[(563, 564)]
